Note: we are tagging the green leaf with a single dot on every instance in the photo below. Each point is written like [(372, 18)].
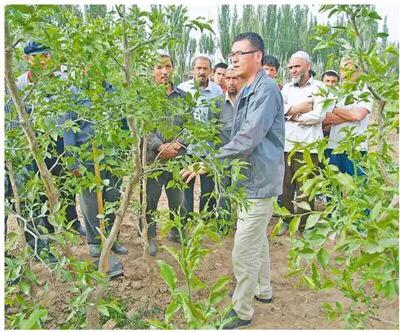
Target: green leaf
[(196, 313), (390, 289), (374, 15), (24, 287), (221, 283), (171, 310), (328, 103), (376, 210), (373, 246), (30, 276), (310, 282), (197, 283), (388, 243), (382, 35), (303, 205), (216, 297), (294, 225), (312, 220), (345, 180), (102, 308), (33, 322), (307, 158), (23, 8), (44, 208), (307, 253), (323, 257), (316, 239), (168, 274), (280, 210), (277, 228)]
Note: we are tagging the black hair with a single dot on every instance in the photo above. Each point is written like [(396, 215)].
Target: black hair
[(270, 60), (312, 73), (330, 73), (220, 65), (255, 40)]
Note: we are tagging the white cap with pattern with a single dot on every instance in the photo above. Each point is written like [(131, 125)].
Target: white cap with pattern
[(302, 55)]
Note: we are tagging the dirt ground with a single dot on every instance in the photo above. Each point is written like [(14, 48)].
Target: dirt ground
[(292, 307)]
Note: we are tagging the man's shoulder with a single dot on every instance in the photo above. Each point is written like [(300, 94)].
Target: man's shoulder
[(185, 86), (179, 91), (318, 82), (287, 85), (214, 86), (266, 80)]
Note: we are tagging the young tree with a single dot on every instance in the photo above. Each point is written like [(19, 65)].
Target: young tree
[(117, 51), (362, 211)]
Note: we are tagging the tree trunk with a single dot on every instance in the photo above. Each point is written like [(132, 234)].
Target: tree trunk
[(92, 314)]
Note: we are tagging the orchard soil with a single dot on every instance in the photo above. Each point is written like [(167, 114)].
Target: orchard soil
[(144, 297)]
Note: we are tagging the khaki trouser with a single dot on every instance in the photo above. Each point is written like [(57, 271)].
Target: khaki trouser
[(250, 257)]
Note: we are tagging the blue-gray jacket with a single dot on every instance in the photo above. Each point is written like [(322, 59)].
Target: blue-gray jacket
[(258, 136), (86, 128)]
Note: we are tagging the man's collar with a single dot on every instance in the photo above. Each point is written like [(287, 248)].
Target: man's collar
[(309, 82), (248, 89), (207, 88), (174, 88), (228, 99)]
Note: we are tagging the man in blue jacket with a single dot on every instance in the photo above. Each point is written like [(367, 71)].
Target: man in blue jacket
[(38, 57), (82, 139), (258, 138)]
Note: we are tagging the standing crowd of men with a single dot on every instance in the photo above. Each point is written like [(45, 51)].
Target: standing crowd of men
[(259, 122)]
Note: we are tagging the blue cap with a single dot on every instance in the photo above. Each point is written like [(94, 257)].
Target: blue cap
[(32, 48)]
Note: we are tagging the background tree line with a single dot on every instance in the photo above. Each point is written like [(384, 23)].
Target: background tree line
[(284, 28)]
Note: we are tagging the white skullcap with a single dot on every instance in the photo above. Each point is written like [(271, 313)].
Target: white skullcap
[(302, 55), (202, 55), (230, 67), (163, 53), (331, 71)]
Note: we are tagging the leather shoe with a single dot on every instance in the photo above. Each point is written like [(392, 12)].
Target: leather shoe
[(81, 230), (260, 299), (119, 249), (94, 250), (174, 236), (153, 247), (234, 321)]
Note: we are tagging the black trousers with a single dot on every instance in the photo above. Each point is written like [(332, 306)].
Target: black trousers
[(289, 187), (206, 187)]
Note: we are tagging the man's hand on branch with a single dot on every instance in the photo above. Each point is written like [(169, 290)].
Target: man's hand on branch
[(76, 172), (169, 150), (192, 171)]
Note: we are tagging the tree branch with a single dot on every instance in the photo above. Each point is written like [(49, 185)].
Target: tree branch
[(51, 190), (381, 104), (394, 204), (11, 176)]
